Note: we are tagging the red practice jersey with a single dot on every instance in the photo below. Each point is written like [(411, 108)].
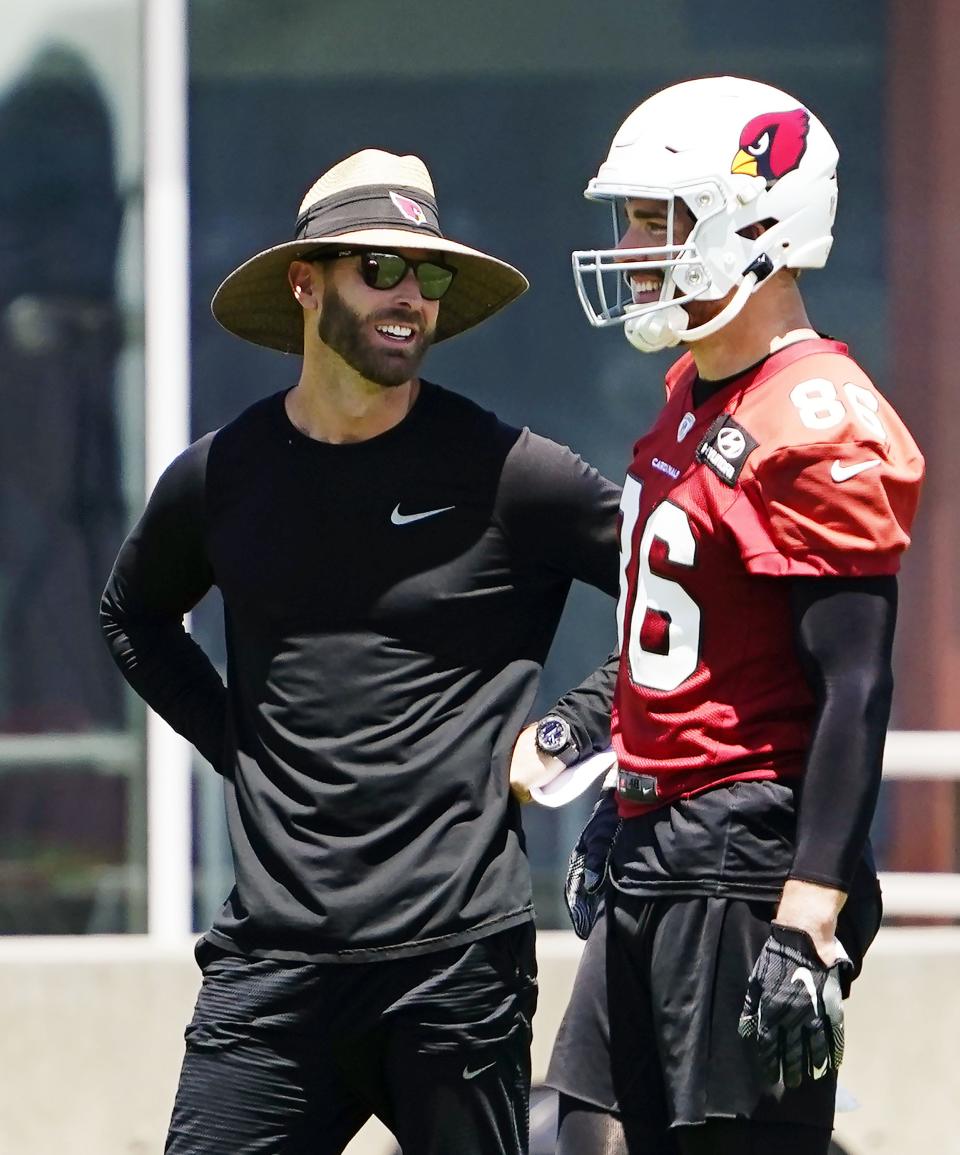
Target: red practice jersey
[(796, 468)]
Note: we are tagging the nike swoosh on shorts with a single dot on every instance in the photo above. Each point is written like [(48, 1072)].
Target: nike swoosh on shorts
[(399, 518)]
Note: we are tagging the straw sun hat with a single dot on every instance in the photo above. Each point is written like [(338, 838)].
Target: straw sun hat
[(374, 200)]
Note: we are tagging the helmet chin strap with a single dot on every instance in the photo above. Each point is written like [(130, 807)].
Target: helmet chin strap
[(663, 328), (660, 329)]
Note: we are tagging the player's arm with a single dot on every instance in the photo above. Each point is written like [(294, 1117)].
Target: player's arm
[(160, 574), (844, 631), (827, 503)]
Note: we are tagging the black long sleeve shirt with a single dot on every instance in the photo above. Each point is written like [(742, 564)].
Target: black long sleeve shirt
[(388, 608)]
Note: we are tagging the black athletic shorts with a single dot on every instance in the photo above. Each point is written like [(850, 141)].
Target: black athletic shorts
[(292, 1059), (651, 1026)]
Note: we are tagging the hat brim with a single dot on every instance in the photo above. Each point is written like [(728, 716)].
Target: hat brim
[(256, 302)]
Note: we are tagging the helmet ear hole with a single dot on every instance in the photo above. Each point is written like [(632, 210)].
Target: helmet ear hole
[(752, 231)]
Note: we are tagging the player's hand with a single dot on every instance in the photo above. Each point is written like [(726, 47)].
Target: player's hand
[(793, 1009), (587, 868)]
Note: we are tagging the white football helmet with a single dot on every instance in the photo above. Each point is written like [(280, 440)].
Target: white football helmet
[(735, 152)]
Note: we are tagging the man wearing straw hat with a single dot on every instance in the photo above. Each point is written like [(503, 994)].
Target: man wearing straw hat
[(393, 562)]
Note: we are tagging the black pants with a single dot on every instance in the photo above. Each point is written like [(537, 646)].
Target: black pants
[(293, 1059), (651, 1027)]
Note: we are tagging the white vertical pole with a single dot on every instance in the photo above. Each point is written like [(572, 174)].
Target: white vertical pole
[(167, 286)]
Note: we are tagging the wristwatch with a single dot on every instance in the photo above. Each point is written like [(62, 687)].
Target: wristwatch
[(554, 737)]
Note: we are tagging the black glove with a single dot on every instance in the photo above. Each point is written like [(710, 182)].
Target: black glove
[(793, 1008), (587, 868)]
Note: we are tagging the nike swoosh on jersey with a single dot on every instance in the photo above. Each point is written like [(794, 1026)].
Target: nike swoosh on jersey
[(399, 518), (841, 472)]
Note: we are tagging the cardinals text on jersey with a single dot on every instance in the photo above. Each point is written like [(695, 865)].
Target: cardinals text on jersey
[(799, 467)]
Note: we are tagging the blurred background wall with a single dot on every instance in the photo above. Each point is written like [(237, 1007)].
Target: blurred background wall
[(512, 106), (72, 817)]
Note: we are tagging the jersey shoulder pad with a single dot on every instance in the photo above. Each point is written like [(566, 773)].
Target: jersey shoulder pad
[(823, 398), (835, 479)]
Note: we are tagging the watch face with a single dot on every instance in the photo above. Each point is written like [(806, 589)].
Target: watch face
[(552, 735)]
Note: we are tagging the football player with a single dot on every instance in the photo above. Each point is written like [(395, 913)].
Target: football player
[(764, 516)]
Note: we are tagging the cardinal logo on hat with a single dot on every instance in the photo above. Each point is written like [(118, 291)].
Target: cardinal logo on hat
[(773, 144), (410, 209)]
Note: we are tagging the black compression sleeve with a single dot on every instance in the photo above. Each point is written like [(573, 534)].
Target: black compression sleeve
[(844, 634)]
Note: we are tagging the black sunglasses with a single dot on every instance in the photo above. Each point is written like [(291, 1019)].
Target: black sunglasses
[(386, 270)]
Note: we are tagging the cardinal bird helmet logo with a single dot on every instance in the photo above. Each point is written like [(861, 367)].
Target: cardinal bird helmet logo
[(409, 208), (772, 144)]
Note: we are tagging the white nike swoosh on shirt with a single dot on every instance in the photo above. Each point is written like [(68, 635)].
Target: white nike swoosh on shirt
[(399, 518), (841, 472), (468, 1074)]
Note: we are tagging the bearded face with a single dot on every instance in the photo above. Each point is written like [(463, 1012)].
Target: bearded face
[(385, 346)]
